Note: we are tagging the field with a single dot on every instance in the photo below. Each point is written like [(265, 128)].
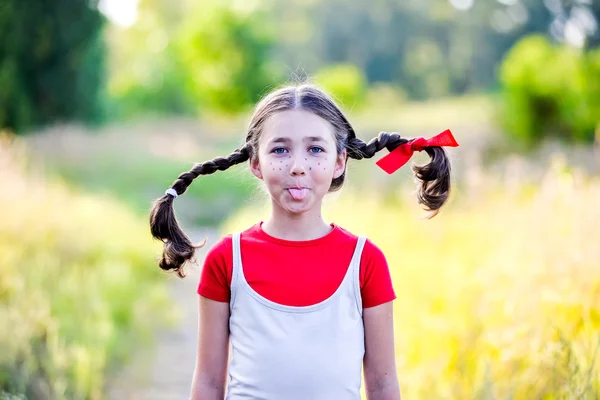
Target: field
[(498, 295), (78, 290)]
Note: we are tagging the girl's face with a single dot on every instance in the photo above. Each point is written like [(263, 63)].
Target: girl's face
[(297, 160)]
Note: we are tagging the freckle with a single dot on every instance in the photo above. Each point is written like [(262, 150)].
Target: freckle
[(319, 163), (280, 169)]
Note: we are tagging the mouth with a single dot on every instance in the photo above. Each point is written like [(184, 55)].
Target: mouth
[(298, 193)]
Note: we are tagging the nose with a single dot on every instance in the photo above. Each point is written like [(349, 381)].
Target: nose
[(298, 165)]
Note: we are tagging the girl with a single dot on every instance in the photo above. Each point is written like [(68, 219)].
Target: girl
[(302, 304)]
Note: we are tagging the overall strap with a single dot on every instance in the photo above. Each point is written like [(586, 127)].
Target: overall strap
[(355, 266), (237, 266)]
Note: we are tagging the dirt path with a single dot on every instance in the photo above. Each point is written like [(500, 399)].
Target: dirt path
[(165, 372)]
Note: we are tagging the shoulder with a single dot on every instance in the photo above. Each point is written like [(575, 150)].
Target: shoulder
[(221, 248), (371, 251)]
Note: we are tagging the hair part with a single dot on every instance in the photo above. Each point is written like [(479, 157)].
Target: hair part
[(434, 177)]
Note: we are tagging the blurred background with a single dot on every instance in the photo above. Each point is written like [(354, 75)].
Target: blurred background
[(103, 104)]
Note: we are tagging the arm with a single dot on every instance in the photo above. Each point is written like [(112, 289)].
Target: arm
[(213, 349), (381, 380)]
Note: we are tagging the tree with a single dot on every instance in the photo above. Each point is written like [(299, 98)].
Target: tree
[(51, 63), (226, 54)]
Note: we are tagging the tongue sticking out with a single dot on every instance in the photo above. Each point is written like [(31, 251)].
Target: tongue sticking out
[(298, 194)]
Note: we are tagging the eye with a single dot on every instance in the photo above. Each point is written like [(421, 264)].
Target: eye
[(316, 150), (278, 150)]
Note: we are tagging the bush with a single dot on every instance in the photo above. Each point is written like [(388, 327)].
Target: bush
[(345, 82), (78, 285), (226, 56), (550, 91)]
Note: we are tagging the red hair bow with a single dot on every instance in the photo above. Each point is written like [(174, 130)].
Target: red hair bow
[(401, 154)]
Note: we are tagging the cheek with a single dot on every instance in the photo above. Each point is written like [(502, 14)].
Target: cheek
[(274, 169), (322, 168)]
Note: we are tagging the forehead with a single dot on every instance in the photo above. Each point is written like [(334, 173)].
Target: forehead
[(296, 124)]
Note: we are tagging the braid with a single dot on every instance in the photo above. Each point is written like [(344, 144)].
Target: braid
[(358, 149), (434, 177), (178, 248), (435, 180), (209, 167)]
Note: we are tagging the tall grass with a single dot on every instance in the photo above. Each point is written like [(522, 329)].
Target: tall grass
[(77, 284), (137, 163), (499, 295)]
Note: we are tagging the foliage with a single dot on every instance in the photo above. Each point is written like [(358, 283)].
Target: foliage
[(498, 296), (551, 91), (146, 75), (161, 91), (226, 55), (51, 63), (78, 290), (345, 82), (223, 55)]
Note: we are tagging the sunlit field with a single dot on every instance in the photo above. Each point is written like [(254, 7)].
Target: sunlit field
[(498, 295), (78, 285)]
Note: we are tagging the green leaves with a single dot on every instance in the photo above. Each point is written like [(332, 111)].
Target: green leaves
[(226, 56), (550, 91)]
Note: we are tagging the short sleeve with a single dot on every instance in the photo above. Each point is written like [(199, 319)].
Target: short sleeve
[(375, 280), (215, 277)]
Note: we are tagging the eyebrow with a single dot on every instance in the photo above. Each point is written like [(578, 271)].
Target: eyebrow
[(306, 139)]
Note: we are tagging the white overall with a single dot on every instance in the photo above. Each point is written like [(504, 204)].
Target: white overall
[(281, 352)]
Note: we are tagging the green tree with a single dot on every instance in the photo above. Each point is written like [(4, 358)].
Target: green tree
[(550, 91), (226, 54), (51, 63), (345, 82), (145, 74)]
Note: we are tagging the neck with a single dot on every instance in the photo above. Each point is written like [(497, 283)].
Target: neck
[(289, 226)]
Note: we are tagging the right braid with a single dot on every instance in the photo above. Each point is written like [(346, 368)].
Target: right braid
[(434, 177), (358, 149), (178, 248)]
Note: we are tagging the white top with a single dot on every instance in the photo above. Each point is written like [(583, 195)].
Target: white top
[(295, 353)]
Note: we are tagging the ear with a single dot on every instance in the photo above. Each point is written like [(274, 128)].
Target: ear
[(255, 167), (340, 164)]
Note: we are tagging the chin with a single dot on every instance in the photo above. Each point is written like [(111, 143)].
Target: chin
[(297, 207)]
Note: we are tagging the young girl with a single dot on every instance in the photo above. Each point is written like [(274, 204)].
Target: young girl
[(302, 304)]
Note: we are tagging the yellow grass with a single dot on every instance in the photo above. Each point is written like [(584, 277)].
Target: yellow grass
[(78, 284), (499, 295)]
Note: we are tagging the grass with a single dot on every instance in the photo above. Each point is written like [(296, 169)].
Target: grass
[(79, 284), (429, 117), (137, 164), (499, 295)]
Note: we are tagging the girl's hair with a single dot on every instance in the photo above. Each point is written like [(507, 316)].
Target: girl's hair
[(434, 177)]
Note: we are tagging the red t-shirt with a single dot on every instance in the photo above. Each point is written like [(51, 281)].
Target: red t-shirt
[(296, 273)]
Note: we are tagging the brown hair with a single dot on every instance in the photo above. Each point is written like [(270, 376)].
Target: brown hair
[(434, 177)]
